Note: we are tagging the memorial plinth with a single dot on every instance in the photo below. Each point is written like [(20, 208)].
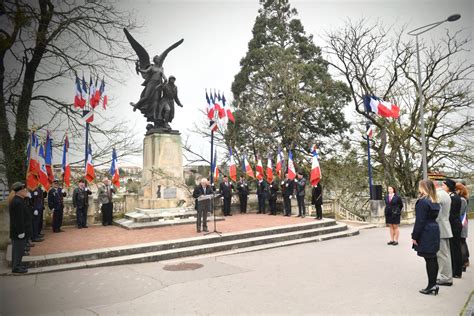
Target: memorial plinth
[(162, 181)]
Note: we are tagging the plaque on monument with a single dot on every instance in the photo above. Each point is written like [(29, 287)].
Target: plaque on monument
[(169, 193)]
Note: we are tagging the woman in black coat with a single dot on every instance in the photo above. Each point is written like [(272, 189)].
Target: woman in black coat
[(425, 235), (393, 209)]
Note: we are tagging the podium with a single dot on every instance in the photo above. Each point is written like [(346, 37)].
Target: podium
[(205, 205)]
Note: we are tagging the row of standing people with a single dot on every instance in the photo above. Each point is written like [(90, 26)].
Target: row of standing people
[(26, 210), (265, 192), (439, 235)]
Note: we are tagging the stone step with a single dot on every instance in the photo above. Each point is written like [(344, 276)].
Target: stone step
[(77, 256), (218, 249), (185, 247), (131, 224)]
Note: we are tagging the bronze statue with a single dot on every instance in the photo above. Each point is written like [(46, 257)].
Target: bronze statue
[(157, 98)]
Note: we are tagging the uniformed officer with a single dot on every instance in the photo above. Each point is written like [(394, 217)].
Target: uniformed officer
[(56, 205)]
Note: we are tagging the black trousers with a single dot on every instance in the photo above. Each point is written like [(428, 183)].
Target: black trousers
[(456, 255), (18, 249), (301, 210), (201, 215), (41, 218), (57, 219), (287, 203), (261, 203), (464, 251), (81, 216), (107, 213), (431, 271), (273, 208), (226, 206), (243, 203), (319, 211), (35, 226)]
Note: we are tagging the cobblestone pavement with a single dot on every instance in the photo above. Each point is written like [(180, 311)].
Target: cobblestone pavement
[(359, 275)]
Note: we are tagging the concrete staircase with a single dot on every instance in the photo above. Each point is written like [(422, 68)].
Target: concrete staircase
[(243, 241), (148, 218)]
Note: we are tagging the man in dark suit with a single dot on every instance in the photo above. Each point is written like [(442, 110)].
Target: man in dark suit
[(202, 189), (300, 192), (18, 216), (56, 205), (243, 189), (225, 189), (80, 200), (317, 200), (262, 195), (287, 188), (272, 197), (37, 204)]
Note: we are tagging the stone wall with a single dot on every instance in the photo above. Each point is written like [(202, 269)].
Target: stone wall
[(377, 212)]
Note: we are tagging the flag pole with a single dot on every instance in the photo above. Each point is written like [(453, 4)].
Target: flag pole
[(212, 158), (369, 165), (87, 139)]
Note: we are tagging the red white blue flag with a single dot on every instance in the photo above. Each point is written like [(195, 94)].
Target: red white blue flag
[(43, 173), (32, 163), (315, 176), (210, 106), (269, 170), (90, 173), (49, 157), (228, 110), (65, 167), (259, 169), (247, 168), (215, 169), (381, 107), (114, 171), (279, 166), (232, 167), (79, 101), (291, 167)]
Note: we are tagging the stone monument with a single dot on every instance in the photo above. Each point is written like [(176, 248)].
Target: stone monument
[(163, 188)]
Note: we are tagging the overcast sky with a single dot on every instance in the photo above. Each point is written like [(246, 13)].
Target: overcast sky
[(216, 34)]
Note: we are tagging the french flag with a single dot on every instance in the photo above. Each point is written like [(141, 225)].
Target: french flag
[(43, 173), (66, 168), (315, 176), (259, 169), (114, 171), (218, 106), (90, 173), (278, 166), (32, 163), (381, 107), (232, 167), (88, 116), (92, 88), (370, 131), (228, 111), (84, 92), (210, 106), (269, 170), (464, 219), (291, 167), (247, 168), (49, 157), (78, 101)]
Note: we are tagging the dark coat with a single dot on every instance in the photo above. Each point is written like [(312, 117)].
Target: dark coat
[(317, 195), (18, 216), (80, 198), (37, 199), (273, 190), (393, 209), (243, 188), (198, 191), (288, 187), (226, 190), (455, 214), (55, 199), (262, 188), (300, 187), (426, 229)]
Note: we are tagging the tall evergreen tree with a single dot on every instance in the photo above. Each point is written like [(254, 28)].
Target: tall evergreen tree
[(283, 93)]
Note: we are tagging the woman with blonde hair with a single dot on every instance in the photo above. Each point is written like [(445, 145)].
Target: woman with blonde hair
[(425, 235), (464, 194)]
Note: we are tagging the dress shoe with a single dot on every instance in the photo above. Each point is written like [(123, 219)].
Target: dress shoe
[(395, 243), (434, 290), (31, 245), (390, 242), (26, 253), (60, 231), (21, 270), (198, 230), (457, 276), (85, 226), (205, 230), (229, 214), (40, 235), (444, 283), (38, 240)]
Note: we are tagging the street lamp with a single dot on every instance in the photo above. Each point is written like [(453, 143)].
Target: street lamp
[(415, 33)]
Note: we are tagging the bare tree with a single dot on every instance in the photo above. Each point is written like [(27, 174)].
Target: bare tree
[(374, 62), (42, 44)]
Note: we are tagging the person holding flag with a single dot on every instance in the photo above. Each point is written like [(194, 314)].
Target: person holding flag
[(287, 188), (300, 193), (104, 195), (262, 195), (243, 189), (56, 205), (80, 201)]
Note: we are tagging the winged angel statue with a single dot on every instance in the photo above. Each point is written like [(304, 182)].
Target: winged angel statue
[(157, 98)]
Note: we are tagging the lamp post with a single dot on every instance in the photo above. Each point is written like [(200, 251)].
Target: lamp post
[(416, 32)]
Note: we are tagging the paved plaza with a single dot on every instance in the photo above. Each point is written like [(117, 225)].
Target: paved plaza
[(358, 275)]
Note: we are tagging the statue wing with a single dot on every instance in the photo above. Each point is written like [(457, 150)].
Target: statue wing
[(142, 54), (165, 53)]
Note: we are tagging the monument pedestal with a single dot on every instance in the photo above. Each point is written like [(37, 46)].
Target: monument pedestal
[(162, 181)]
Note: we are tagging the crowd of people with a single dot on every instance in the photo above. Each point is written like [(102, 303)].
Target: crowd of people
[(440, 230), (267, 194), (26, 208)]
